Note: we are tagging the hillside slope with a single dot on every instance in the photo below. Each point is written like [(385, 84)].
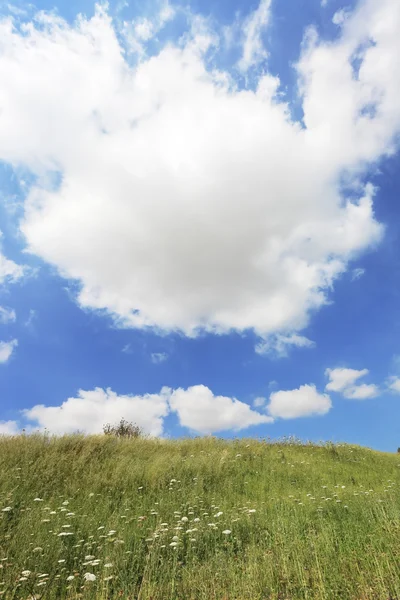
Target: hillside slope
[(104, 518)]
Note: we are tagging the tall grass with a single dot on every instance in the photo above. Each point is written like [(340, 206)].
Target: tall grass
[(102, 518)]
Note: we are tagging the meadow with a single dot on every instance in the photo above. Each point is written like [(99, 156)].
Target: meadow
[(99, 517)]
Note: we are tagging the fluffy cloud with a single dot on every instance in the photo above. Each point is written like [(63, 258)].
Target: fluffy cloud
[(6, 350), (183, 202), (90, 410), (344, 380), (9, 428), (199, 410), (303, 402)]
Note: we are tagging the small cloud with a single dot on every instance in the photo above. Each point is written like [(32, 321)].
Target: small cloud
[(361, 392), (127, 349), (7, 315), (280, 344), (31, 319), (393, 384), (305, 401), (260, 401), (158, 357), (357, 273), (344, 380), (340, 17), (6, 350)]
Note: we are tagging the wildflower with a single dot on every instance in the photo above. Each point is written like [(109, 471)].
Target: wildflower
[(112, 532), (252, 510), (108, 565), (226, 531), (70, 577), (91, 494), (175, 538), (62, 560), (38, 500), (7, 509), (185, 519), (65, 503), (37, 549), (108, 578), (26, 573), (218, 514), (22, 579), (89, 557), (90, 577), (173, 544)]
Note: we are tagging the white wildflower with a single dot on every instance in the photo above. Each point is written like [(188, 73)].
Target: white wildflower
[(90, 577)]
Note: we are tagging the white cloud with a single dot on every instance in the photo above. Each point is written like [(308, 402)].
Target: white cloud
[(256, 23), (192, 204), (357, 273), (9, 428), (7, 315), (280, 344), (159, 357), (200, 410), (340, 17), (393, 384), (344, 380), (197, 408), (6, 350), (260, 401), (361, 392), (139, 31), (91, 410), (302, 402), (9, 270)]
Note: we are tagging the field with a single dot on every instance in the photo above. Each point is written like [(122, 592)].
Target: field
[(102, 518)]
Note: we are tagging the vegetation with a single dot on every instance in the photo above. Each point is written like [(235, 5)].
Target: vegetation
[(104, 517)]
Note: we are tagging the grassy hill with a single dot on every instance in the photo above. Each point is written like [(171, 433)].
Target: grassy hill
[(101, 517)]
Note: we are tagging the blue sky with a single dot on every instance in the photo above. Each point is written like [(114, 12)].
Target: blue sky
[(199, 217)]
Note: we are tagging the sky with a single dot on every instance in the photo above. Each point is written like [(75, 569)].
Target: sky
[(199, 218)]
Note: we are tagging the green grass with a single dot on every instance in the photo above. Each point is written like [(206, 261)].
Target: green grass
[(306, 521)]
